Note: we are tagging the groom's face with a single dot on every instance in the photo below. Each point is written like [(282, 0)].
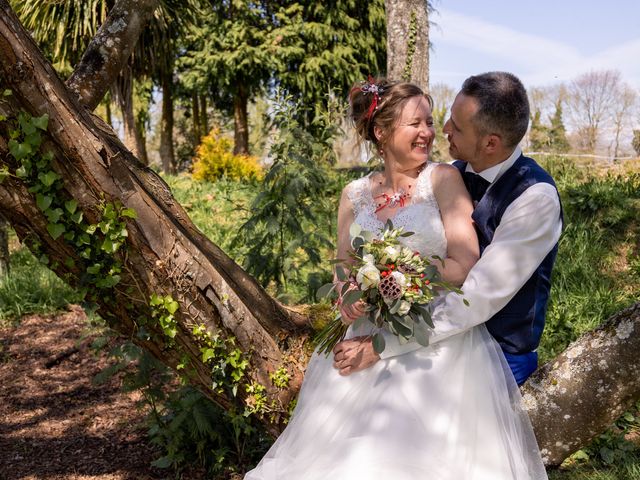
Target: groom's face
[(464, 140)]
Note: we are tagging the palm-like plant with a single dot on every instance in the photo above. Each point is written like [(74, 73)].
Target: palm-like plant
[(63, 29)]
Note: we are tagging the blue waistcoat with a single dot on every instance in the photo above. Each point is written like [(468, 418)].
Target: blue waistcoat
[(518, 326)]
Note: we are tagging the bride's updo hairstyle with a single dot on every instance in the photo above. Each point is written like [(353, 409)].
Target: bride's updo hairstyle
[(378, 102)]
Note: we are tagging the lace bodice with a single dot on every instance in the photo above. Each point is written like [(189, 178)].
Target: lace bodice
[(421, 215)]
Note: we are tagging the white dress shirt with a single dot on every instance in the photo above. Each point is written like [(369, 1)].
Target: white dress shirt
[(529, 229)]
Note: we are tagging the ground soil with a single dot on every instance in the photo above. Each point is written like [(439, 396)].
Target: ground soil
[(54, 423)]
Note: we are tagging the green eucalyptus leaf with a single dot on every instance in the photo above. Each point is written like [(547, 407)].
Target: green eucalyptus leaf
[(351, 297), (341, 274), (378, 343), (421, 334), (354, 230), (325, 290)]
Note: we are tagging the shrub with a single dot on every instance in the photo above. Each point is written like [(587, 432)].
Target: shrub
[(215, 159)]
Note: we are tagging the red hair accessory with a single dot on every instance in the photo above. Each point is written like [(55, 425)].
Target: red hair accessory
[(370, 87)]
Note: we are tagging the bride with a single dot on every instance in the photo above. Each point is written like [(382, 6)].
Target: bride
[(449, 411)]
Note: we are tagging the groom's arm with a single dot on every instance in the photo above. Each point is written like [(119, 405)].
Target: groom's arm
[(528, 231)]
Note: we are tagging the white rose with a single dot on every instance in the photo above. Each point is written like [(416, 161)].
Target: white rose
[(399, 278), (404, 307), (368, 258), (391, 254), (368, 276)]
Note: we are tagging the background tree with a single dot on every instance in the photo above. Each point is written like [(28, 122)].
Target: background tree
[(625, 103), (159, 281), (408, 40), (558, 142), (589, 101), (636, 141), (538, 134)]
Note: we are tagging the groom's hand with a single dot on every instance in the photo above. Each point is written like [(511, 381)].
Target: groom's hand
[(354, 354)]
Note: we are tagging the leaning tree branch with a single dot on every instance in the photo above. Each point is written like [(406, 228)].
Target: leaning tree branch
[(109, 50)]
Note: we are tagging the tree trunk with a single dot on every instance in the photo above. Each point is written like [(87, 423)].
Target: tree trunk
[(165, 253), (569, 400), (4, 247), (110, 49), (204, 115), (240, 122), (195, 113), (586, 388), (123, 89), (408, 41), (166, 124)]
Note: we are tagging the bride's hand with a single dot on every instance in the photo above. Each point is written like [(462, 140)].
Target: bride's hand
[(351, 312)]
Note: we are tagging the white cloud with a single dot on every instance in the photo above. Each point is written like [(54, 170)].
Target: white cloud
[(479, 45)]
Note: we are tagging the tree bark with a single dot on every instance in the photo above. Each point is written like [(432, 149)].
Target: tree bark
[(167, 154), (110, 49), (408, 41), (569, 400), (586, 388), (240, 121)]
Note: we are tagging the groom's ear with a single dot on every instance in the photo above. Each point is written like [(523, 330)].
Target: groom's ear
[(493, 143)]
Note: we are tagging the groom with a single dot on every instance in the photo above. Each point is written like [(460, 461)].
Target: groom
[(518, 219)]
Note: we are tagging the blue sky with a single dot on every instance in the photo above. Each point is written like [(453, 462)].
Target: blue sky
[(543, 41)]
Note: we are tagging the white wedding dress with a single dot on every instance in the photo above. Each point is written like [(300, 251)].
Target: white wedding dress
[(450, 411)]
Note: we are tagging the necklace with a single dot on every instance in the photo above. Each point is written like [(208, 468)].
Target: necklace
[(395, 199)]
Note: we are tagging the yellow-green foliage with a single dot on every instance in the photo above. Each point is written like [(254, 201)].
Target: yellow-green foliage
[(215, 159)]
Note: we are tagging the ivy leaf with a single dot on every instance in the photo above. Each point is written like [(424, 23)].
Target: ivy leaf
[(53, 215), (171, 306), (129, 212), (71, 205), (55, 230), (48, 178), (4, 173), (19, 150), (41, 122), (21, 172), (77, 218), (7, 92), (43, 201)]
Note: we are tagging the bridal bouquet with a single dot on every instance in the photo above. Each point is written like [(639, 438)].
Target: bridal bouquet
[(396, 283)]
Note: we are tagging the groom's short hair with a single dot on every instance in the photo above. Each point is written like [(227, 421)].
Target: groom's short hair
[(503, 105)]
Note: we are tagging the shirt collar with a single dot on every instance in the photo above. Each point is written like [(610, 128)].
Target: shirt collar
[(491, 174)]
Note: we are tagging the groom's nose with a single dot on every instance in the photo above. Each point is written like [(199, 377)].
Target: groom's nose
[(446, 129)]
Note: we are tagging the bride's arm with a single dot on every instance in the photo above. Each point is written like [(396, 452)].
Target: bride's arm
[(345, 219), (455, 209)]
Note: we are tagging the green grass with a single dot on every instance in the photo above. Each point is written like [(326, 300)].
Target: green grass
[(628, 469), (30, 287)]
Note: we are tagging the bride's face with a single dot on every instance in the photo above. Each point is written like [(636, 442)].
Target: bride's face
[(411, 140)]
